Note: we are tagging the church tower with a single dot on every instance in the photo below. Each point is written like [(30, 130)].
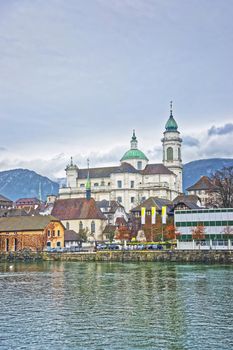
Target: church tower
[(71, 174), (172, 149)]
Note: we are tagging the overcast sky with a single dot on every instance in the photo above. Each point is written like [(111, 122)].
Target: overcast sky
[(77, 76)]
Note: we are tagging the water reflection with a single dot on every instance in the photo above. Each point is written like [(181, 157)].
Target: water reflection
[(115, 306)]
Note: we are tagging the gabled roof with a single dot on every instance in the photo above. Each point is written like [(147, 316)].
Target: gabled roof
[(109, 229), (153, 202), (109, 206), (186, 203), (152, 169), (25, 223), (203, 183), (77, 208), (4, 199), (190, 197), (71, 235)]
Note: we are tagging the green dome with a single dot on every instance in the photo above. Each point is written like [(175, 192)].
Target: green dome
[(134, 154), (171, 124)]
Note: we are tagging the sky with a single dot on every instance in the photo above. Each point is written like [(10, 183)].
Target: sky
[(78, 76)]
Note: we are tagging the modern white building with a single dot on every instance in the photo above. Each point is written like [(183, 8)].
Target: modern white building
[(135, 179), (215, 225)]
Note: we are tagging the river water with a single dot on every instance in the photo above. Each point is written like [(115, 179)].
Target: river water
[(115, 306)]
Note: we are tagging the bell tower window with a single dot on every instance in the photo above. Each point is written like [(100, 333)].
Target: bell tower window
[(170, 154)]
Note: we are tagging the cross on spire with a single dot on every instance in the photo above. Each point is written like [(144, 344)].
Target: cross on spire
[(171, 108)]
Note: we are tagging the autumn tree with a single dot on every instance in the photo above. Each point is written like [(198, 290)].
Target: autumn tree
[(123, 234), (198, 232)]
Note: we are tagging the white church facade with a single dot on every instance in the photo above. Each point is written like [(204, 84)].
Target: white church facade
[(135, 179)]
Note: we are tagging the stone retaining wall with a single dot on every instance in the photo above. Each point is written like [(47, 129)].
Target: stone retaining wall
[(207, 257)]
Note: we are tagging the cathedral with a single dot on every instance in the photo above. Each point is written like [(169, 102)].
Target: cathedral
[(134, 179)]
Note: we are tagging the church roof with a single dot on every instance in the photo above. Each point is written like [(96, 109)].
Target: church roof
[(151, 169), (134, 154), (77, 208), (106, 171)]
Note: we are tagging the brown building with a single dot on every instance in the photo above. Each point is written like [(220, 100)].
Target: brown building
[(30, 232), (27, 203)]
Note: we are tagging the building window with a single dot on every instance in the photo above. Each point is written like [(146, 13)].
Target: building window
[(7, 245), (170, 154), (119, 184), (67, 226), (15, 244), (58, 244), (109, 183), (58, 233), (119, 199), (82, 185), (139, 165), (48, 244), (80, 226), (132, 199), (131, 184), (93, 227), (53, 233), (102, 183), (48, 233), (96, 184), (143, 199)]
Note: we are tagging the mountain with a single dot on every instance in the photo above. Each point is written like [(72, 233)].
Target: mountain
[(192, 171), (19, 183)]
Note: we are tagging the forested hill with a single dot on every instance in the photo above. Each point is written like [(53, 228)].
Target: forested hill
[(19, 183)]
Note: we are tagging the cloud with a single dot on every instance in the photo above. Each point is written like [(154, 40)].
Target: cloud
[(190, 141), (3, 149), (222, 130)]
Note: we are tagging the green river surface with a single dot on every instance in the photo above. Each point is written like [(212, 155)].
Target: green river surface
[(73, 305)]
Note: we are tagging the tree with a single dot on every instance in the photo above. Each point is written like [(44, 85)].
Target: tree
[(222, 193), (83, 232), (123, 234), (170, 232), (198, 233)]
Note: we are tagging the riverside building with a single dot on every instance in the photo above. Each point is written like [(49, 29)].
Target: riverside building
[(205, 228), (135, 179)]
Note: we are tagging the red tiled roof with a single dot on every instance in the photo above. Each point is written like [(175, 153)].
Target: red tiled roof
[(203, 183), (77, 208)]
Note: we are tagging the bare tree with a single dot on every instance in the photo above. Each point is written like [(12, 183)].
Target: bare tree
[(222, 193)]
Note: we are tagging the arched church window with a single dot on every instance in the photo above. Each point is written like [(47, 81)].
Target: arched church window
[(179, 154), (170, 153), (93, 227), (80, 226)]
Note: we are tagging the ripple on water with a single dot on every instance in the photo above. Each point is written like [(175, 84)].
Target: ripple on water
[(115, 306)]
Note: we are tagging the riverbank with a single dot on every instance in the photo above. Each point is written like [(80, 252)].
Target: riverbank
[(188, 256)]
